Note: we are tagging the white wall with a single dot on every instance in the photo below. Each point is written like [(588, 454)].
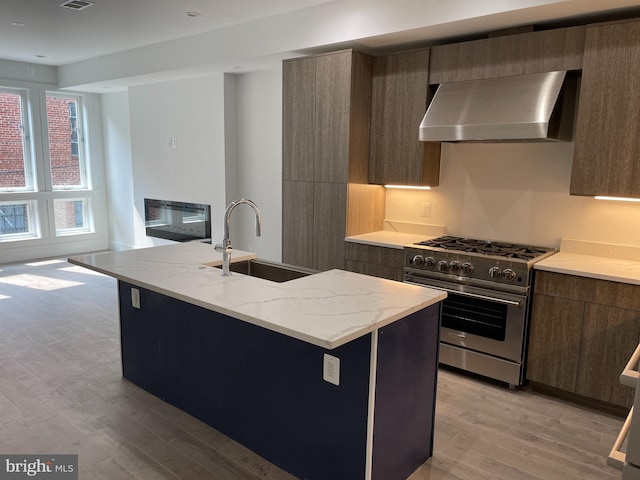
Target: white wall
[(229, 145), (191, 111), (119, 177), (259, 107), (515, 192)]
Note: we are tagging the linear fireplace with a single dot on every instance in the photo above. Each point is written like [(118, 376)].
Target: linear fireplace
[(178, 221)]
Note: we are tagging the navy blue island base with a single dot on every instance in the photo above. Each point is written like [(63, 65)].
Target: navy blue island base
[(266, 390)]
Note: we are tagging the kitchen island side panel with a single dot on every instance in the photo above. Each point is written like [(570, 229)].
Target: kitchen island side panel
[(261, 388), (406, 382)]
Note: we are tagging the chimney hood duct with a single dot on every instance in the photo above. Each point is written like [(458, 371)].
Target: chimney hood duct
[(531, 107)]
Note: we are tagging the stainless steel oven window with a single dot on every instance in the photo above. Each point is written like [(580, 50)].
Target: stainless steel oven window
[(475, 316)]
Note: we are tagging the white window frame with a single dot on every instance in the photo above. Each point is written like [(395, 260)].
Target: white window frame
[(32, 221), (31, 180), (87, 217), (45, 241)]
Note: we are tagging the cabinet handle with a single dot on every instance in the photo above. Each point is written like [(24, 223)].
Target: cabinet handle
[(630, 374), (616, 458)]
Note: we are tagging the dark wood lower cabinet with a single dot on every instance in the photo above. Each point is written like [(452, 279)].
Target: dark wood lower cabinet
[(609, 337), (583, 332), (383, 262), (554, 346), (297, 221)]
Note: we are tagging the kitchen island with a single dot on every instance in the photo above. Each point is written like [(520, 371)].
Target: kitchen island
[(329, 376)]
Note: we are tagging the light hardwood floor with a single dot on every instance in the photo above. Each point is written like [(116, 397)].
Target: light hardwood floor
[(61, 391)]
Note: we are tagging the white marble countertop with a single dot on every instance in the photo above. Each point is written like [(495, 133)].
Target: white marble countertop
[(327, 309), (384, 238), (398, 234), (617, 263)]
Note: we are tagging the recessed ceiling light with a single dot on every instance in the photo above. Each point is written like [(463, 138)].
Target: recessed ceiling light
[(41, 56), (238, 67), (193, 14), (18, 24)]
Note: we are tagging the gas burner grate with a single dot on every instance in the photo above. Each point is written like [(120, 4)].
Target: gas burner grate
[(486, 247)]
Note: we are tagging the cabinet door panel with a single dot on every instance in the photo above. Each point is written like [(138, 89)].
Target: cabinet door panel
[(609, 338), (330, 224), (554, 343), (333, 91), (607, 143), (399, 101), (387, 256), (297, 223), (524, 53), (384, 262), (602, 292), (298, 110)]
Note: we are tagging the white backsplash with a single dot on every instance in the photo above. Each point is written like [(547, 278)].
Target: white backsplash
[(414, 228), (514, 192)]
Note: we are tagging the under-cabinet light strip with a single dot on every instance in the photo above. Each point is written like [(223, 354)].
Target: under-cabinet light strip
[(409, 187), (618, 199)]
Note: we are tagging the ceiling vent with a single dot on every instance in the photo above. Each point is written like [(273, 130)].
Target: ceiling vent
[(76, 4)]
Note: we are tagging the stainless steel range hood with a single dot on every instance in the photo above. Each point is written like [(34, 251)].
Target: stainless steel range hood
[(506, 109)]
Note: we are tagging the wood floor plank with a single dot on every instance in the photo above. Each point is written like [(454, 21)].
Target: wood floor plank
[(150, 420), (109, 469), (140, 465), (224, 468)]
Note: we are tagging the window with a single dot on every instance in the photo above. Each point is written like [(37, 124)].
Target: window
[(40, 168), (15, 167), (71, 216), (17, 220), (66, 161)]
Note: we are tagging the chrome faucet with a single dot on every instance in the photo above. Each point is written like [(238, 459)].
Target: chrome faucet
[(226, 247)]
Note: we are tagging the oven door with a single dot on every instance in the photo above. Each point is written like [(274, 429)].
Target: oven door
[(480, 319)]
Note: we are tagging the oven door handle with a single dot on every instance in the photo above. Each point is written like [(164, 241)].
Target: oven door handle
[(472, 295), (617, 458)]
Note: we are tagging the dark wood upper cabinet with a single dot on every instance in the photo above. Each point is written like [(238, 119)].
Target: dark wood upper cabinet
[(399, 101), (523, 53), (607, 143), (326, 109), (298, 119)]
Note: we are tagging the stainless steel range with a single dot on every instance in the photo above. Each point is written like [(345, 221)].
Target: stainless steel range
[(485, 316)]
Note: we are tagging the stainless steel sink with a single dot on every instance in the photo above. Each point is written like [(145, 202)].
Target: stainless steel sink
[(272, 271)]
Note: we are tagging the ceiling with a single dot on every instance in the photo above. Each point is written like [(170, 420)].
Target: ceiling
[(43, 32), (115, 44)]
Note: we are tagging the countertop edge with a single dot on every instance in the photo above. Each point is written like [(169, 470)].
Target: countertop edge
[(374, 243), (597, 268), (325, 340)]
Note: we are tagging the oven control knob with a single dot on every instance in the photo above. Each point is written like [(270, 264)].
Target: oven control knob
[(494, 272), (443, 266), (509, 274), (467, 268), (455, 266), (429, 262), (418, 260)]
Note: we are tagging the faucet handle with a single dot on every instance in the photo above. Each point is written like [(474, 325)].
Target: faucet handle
[(229, 249), (218, 247)]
